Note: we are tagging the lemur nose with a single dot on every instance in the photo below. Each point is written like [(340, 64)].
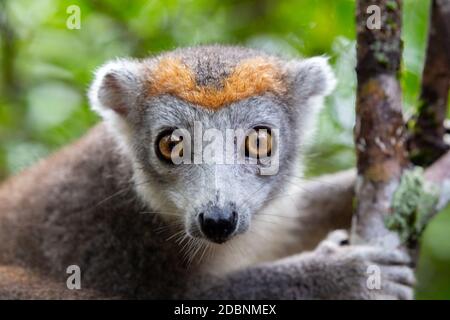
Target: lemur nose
[(218, 224)]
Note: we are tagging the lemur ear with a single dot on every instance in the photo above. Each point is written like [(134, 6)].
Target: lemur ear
[(311, 77), (116, 87)]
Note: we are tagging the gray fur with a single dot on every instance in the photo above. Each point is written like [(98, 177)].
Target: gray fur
[(108, 204), (212, 63)]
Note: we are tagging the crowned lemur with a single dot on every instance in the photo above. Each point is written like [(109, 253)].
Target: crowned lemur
[(141, 226)]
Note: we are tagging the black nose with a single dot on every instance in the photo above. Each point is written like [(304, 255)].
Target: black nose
[(218, 224)]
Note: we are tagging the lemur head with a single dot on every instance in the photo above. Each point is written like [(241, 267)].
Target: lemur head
[(213, 131)]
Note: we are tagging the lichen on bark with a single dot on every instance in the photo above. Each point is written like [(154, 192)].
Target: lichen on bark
[(412, 206)]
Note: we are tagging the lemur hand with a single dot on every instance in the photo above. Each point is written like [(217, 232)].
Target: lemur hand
[(362, 272)]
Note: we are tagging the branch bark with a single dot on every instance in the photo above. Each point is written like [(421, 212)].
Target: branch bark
[(380, 136), (439, 174), (427, 140), (330, 196)]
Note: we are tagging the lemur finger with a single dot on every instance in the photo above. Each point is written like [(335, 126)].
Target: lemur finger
[(385, 297), (400, 274), (382, 256), (327, 247), (392, 257), (400, 291), (339, 237), (333, 241)]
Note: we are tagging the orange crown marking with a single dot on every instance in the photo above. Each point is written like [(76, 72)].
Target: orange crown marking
[(251, 77)]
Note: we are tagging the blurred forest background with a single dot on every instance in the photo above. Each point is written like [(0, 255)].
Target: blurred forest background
[(46, 68)]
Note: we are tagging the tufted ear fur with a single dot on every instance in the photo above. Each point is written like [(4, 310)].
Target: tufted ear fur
[(116, 87), (311, 77)]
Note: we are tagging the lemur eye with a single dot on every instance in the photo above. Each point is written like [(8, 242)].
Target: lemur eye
[(168, 145), (258, 144)]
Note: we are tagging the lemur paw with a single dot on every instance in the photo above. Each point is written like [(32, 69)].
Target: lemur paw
[(367, 272), (333, 241)]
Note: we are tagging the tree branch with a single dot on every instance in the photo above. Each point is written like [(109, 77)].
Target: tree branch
[(427, 140), (439, 174), (332, 194), (379, 130)]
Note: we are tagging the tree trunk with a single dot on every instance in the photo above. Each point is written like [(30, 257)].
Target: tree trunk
[(427, 139), (380, 134)]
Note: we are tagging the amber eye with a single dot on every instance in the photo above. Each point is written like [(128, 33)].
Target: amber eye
[(169, 145), (258, 144)]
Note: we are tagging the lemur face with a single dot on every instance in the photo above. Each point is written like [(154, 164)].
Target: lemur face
[(213, 132)]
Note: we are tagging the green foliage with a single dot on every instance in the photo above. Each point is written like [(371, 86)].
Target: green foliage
[(45, 68), (433, 276)]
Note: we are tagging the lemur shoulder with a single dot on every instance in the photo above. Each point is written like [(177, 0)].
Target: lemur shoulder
[(139, 226)]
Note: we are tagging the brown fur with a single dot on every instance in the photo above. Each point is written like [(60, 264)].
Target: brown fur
[(250, 77), (19, 283)]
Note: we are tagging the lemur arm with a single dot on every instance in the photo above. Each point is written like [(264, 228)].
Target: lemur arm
[(331, 271), (324, 205)]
